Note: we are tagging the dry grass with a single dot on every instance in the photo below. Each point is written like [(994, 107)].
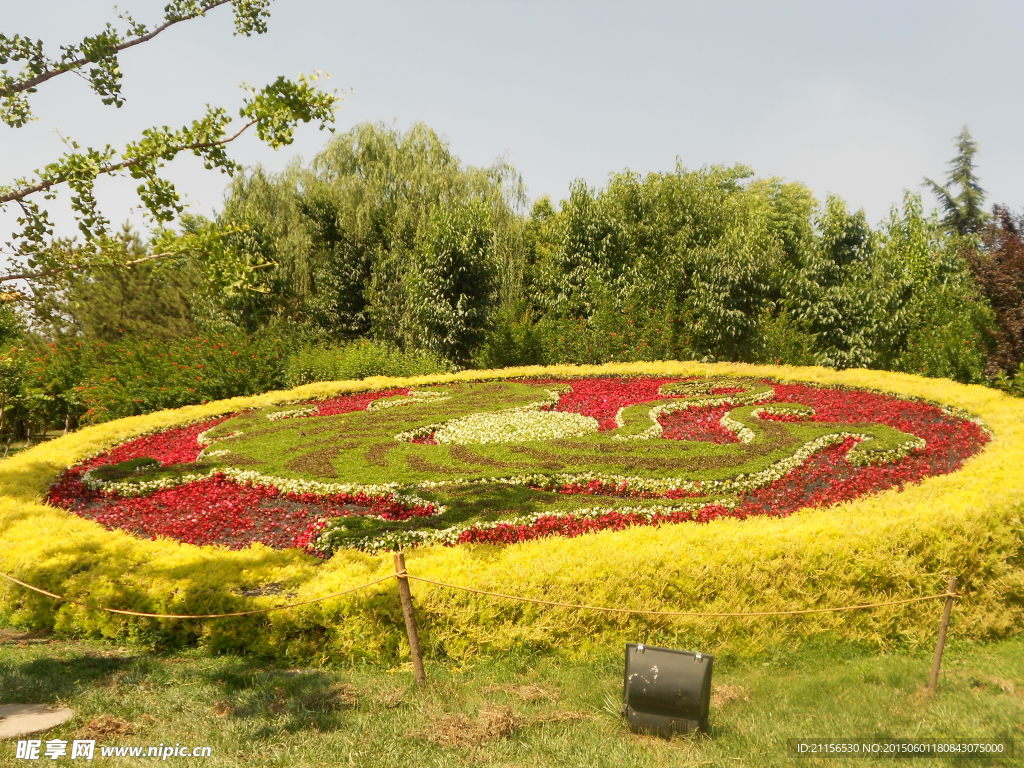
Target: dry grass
[(528, 693), (723, 694), (341, 696), (992, 682), (459, 730), (492, 723), (390, 698), (224, 708), (103, 727), (24, 639)]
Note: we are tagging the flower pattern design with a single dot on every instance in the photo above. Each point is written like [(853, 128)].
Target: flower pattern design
[(495, 463)]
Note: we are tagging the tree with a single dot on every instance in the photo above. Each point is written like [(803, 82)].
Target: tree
[(272, 111), (939, 328), (256, 270), (152, 300), (449, 281), (962, 207), (999, 268), (344, 244)]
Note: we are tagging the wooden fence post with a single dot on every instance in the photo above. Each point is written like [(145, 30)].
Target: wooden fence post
[(933, 679), (410, 618)]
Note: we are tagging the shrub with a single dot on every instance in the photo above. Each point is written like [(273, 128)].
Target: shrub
[(357, 360), (1012, 384), (948, 339), (627, 333), (512, 339), (141, 376), (782, 339)]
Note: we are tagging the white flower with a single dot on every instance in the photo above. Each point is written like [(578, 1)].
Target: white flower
[(415, 396), (293, 413), (515, 426)]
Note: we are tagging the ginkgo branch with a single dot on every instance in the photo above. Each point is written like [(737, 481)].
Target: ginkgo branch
[(103, 170), (19, 86)]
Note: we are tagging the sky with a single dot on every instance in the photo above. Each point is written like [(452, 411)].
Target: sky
[(860, 99)]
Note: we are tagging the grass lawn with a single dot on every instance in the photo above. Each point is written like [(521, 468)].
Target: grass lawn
[(513, 711)]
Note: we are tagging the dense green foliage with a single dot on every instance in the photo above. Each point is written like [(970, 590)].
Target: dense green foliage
[(357, 360), (384, 234), (387, 255), (73, 381)]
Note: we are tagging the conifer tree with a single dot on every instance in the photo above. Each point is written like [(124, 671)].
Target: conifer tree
[(961, 198)]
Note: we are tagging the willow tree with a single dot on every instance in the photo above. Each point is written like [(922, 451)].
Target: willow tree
[(372, 235)]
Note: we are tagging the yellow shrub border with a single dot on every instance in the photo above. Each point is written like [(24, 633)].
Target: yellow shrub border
[(885, 546)]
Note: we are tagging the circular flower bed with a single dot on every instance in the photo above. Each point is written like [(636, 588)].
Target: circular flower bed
[(509, 461), (896, 518)]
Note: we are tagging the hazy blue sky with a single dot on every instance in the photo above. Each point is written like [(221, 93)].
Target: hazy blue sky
[(861, 99)]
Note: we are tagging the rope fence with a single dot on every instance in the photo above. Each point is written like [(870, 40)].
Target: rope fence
[(636, 612), (253, 612), (473, 590), (403, 577)]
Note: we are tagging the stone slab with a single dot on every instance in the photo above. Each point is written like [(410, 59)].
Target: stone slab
[(18, 720)]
